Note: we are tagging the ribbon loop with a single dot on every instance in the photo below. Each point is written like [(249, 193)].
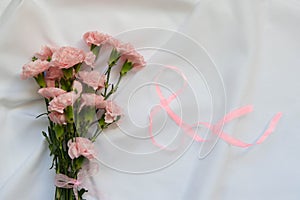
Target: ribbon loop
[(87, 170)]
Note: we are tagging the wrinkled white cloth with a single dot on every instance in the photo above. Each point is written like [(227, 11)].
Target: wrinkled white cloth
[(254, 45)]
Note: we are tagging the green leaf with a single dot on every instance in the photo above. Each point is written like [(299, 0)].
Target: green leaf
[(40, 80), (51, 134), (81, 192), (95, 49), (68, 73), (77, 67), (114, 57), (54, 148), (78, 162), (118, 118), (53, 161), (126, 68), (34, 58), (66, 84), (102, 122), (46, 137), (59, 130), (41, 115)]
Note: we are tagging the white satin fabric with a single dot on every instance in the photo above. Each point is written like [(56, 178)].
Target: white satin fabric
[(253, 46)]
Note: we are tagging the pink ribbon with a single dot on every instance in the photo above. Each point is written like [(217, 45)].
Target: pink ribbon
[(215, 129), (63, 181)]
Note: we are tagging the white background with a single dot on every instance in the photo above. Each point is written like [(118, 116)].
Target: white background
[(255, 45)]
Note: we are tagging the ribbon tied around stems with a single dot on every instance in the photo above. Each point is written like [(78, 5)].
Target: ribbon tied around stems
[(214, 128), (63, 181)]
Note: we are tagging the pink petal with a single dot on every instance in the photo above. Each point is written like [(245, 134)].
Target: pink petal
[(51, 92), (57, 118), (34, 68), (45, 53), (62, 101), (81, 147), (95, 38), (93, 79), (89, 59), (66, 57)]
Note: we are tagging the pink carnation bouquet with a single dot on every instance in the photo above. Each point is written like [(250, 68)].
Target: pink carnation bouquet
[(78, 104)]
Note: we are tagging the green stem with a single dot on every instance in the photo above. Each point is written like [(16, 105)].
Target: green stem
[(107, 79), (114, 89), (98, 132)]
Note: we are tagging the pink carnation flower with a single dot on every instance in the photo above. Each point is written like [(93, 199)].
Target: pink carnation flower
[(81, 147), (62, 101), (34, 68), (129, 53), (54, 73), (95, 38), (93, 79), (57, 118), (92, 100), (45, 53), (66, 57), (114, 43), (51, 92), (112, 112)]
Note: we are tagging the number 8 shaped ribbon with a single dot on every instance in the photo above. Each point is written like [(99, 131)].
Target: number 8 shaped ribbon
[(215, 129)]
